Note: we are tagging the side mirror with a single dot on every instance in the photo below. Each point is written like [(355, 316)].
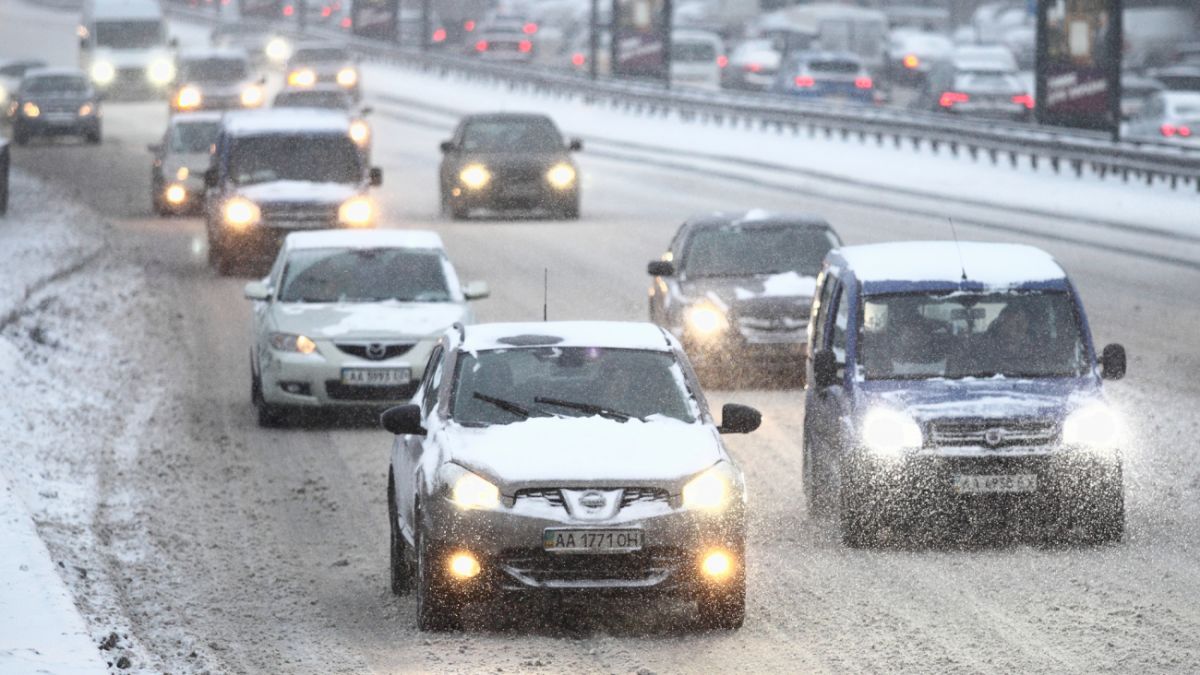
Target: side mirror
[(211, 178), (173, 43), (376, 176), (1112, 362), (257, 290), (575, 145), (447, 146), (366, 110), (660, 268), (83, 43), (739, 419), (262, 80), (155, 148), (476, 290), (403, 420), (824, 369)]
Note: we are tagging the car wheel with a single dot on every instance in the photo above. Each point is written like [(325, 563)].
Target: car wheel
[(94, 137), (436, 609), (269, 416), (816, 490), (400, 570), (723, 609), (858, 528), (1104, 514), (458, 211), (571, 211), (20, 136)]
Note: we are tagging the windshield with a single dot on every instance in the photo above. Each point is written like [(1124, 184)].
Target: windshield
[(320, 56), (215, 70), (194, 137), (742, 251), (364, 275), (56, 84), (622, 382), (334, 100), (986, 80), (515, 134), (129, 34), (318, 159), (1014, 334)]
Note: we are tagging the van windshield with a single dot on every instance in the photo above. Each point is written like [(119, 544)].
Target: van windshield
[(129, 34), (215, 70), (957, 335), (316, 159)]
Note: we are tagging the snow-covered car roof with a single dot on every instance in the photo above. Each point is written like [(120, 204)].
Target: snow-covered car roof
[(993, 265), (364, 239), (603, 334), (759, 217), (286, 121)]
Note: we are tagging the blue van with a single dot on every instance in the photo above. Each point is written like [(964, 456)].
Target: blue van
[(945, 380)]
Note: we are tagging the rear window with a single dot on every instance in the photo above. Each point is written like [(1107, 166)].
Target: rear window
[(693, 51), (985, 79)]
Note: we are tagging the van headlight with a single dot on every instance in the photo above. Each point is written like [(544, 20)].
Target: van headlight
[(278, 50), (356, 212), (475, 176), (469, 491), (241, 213), (103, 73), (252, 96), (888, 433), (347, 77), (161, 71), (1095, 426), (711, 490), (705, 319), (561, 176)]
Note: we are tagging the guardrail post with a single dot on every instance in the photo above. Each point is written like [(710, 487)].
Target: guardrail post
[(4, 162)]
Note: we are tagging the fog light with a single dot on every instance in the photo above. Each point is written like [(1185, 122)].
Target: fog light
[(464, 566), (297, 388), (717, 565), (176, 194)]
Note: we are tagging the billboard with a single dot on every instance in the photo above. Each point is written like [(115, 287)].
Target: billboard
[(377, 19), (1079, 63), (641, 37)]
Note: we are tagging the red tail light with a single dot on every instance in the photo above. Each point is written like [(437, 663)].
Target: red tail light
[(346, 22), (525, 46), (326, 11), (578, 59), (469, 25), (1025, 100), (950, 98), (439, 35), (722, 61), (863, 83), (1168, 130), (753, 67), (481, 46), (804, 81), (1186, 132), (288, 10), (530, 28)]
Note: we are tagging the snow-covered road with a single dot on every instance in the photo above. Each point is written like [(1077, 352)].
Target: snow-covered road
[(216, 545)]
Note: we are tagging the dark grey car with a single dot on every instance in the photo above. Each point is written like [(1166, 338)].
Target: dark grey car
[(55, 102)]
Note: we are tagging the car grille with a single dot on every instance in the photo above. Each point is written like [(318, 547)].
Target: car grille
[(772, 318), (553, 496), (1004, 432), (300, 214), (520, 175), (60, 108), (535, 567), (349, 392), (375, 351)]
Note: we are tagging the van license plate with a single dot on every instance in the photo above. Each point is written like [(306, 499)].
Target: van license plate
[(964, 484)]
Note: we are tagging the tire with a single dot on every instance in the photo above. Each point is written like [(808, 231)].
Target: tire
[(20, 136), (816, 492), (94, 137), (458, 211), (401, 571), (437, 611), (857, 527), (1104, 519), (724, 609), (220, 258), (269, 416), (571, 212)]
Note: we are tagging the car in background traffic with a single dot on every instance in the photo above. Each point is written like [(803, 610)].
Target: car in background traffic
[(564, 457), (330, 97), (124, 48), (825, 76), (752, 65), (348, 319), (697, 57), (260, 41), (55, 102), (501, 161), (980, 81), (958, 383), (180, 160), (736, 289), (1169, 116), (278, 171), (1136, 91), (311, 65), (911, 55), (579, 51), (11, 72), (216, 80), (413, 31), (504, 38)]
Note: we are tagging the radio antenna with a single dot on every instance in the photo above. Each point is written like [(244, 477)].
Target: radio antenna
[(962, 264), (546, 294)]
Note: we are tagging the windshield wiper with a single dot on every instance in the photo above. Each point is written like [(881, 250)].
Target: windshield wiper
[(507, 406), (589, 408)]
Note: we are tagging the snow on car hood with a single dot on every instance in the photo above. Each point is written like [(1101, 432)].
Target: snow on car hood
[(735, 290), (934, 399), (298, 191), (585, 451), (366, 320)]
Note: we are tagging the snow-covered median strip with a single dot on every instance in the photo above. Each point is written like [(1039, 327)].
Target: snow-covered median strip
[(40, 629)]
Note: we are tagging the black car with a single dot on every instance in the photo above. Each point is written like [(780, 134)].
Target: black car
[(55, 102), (509, 161), (738, 287)]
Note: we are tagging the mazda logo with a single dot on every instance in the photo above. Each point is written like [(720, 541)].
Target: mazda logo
[(993, 437), (592, 501), (376, 351)]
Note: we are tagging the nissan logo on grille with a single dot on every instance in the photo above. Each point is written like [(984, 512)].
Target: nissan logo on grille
[(592, 501), (993, 437)]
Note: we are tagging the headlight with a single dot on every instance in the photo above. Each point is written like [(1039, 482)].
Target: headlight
[(889, 432), (161, 71), (278, 50), (176, 194), (86, 110), (241, 213), (561, 176), (252, 96), (705, 319), (356, 211), (347, 77), (475, 176), (472, 492), (304, 77), (289, 342), (3, 93), (182, 173), (103, 73), (31, 109), (360, 133), (1094, 426), (710, 491), (188, 97)]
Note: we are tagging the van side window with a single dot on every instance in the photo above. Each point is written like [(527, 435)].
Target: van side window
[(841, 325), (821, 313)]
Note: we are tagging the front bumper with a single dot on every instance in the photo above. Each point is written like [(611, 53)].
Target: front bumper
[(59, 124), (315, 380), (523, 195), (733, 348)]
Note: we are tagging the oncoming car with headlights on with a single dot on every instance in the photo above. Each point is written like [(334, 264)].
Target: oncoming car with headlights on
[(330, 97), (277, 171), (180, 160), (124, 48), (959, 383), (55, 102), (737, 289), (349, 318), (564, 458), (500, 161), (216, 80), (311, 65)]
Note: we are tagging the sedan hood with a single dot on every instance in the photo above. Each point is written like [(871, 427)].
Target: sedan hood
[(298, 191), (586, 452), (994, 398), (733, 290), (366, 320)]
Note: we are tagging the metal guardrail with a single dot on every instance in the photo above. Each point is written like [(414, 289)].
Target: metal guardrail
[(1058, 149)]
